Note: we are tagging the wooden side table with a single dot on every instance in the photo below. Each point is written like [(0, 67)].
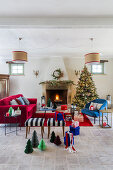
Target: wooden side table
[(107, 113)]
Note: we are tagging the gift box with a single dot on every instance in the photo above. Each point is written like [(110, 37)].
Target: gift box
[(68, 117), (79, 118), (75, 131), (67, 139), (17, 112), (63, 107)]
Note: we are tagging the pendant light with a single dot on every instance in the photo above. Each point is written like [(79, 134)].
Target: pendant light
[(92, 58), (19, 56)]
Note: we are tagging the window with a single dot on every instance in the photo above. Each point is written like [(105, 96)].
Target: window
[(16, 69), (97, 69)]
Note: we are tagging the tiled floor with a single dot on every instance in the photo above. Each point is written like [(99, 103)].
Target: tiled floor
[(94, 151)]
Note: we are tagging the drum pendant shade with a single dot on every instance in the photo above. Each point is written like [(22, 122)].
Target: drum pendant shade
[(92, 58), (20, 56)]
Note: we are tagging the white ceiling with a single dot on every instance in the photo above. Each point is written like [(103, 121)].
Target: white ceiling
[(56, 8), (56, 27), (57, 42)]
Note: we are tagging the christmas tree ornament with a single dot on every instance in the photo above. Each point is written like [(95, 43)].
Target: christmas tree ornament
[(42, 145), (29, 148), (34, 140), (52, 139)]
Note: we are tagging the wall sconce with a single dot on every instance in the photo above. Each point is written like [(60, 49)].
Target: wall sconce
[(77, 72), (36, 72)]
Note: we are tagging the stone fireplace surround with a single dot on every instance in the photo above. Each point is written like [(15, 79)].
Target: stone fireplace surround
[(63, 91)]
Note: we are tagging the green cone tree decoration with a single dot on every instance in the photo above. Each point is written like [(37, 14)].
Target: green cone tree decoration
[(34, 140), (52, 139), (54, 106), (48, 102), (42, 145), (10, 111), (86, 90), (28, 148)]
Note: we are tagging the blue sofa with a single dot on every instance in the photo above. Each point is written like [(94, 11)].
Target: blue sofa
[(94, 113)]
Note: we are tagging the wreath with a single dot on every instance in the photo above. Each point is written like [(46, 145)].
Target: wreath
[(57, 74)]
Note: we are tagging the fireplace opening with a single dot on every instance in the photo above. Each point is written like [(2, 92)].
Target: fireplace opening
[(57, 96)]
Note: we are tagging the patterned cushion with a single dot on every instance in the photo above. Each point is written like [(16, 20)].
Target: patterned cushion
[(18, 101), (21, 100), (26, 101), (34, 122), (53, 122), (13, 102)]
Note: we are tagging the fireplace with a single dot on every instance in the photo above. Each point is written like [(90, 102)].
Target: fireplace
[(61, 94), (58, 96)]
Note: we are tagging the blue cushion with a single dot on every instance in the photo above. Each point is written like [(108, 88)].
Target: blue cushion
[(21, 100), (93, 113)]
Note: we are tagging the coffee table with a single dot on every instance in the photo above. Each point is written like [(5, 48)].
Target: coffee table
[(46, 109)]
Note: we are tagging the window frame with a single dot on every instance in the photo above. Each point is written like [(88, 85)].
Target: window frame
[(16, 64), (96, 73)]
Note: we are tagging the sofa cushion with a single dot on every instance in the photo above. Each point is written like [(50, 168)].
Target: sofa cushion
[(21, 100), (13, 102), (18, 101), (99, 106), (93, 113), (94, 105), (26, 101)]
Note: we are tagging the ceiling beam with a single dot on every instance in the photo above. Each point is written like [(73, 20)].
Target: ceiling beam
[(56, 22)]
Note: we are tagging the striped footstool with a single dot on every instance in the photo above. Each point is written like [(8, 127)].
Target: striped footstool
[(32, 122), (53, 122)]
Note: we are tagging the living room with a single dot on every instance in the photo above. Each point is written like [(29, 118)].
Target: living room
[(66, 62)]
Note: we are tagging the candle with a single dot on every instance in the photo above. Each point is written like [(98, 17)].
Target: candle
[(7, 114)]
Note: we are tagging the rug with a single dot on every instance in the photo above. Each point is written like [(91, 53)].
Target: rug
[(86, 122)]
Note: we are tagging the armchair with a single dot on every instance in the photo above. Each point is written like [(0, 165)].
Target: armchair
[(94, 113)]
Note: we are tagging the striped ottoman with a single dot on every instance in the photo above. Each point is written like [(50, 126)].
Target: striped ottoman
[(53, 122), (32, 122)]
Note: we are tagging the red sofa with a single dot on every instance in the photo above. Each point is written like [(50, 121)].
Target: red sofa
[(27, 111)]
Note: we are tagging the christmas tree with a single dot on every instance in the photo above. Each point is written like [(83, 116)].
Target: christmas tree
[(42, 145), (57, 141), (48, 102), (52, 137), (34, 140), (29, 148), (86, 90)]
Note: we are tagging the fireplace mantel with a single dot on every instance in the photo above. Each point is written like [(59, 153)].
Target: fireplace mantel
[(57, 84)]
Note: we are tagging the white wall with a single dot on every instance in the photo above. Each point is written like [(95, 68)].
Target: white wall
[(29, 86)]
